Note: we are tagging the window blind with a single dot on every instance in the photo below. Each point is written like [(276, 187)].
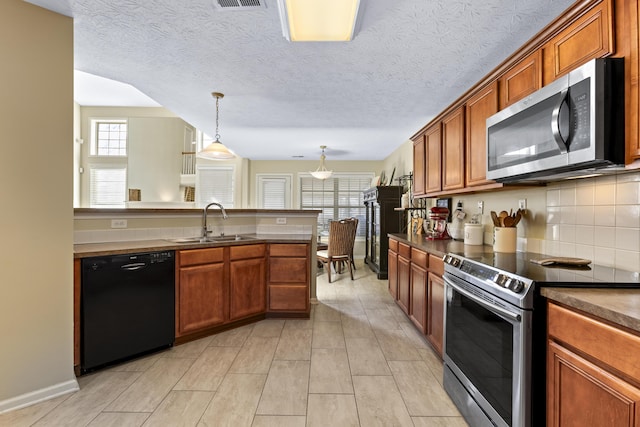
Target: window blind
[(215, 184), (107, 186), (337, 197)]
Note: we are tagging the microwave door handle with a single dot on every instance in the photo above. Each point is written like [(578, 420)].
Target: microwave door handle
[(555, 123)]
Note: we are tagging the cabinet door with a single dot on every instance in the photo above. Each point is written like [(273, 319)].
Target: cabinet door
[(479, 108), (579, 393), (248, 288), (435, 308), (419, 162), (590, 36), (202, 298), (418, 309), (433, 159), (521, 80), (453, 150), (393, 274), (404, 283)]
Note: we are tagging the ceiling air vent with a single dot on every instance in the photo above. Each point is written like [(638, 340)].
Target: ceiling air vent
[(239, 4)]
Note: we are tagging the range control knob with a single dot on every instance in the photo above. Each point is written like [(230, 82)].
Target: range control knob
[(451, 260), (500, 279), (516, 285)]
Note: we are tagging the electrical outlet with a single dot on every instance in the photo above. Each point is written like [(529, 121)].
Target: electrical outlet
[(118, 223), (281, 221), (522, 204), (481, 207)]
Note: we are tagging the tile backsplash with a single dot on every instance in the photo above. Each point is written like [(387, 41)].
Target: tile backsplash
[(595, 218)]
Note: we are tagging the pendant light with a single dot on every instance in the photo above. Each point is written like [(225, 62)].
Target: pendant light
[(216, 150), (322, 172)]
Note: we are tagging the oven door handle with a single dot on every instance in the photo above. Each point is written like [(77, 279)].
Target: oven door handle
[(492, 307)]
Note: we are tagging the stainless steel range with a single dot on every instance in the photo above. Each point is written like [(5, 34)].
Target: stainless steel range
[(494, 345)]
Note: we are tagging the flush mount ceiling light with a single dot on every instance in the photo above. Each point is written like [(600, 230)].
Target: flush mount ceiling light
[(322, 172), (319, 20), (216, 150)]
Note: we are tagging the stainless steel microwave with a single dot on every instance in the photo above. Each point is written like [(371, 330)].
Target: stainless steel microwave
[(573, 126)]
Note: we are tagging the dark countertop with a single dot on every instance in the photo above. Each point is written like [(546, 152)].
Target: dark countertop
[(602, 299), (441, 247), (115, 248)]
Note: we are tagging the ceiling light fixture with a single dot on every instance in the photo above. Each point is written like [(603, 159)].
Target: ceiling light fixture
[(322, 172), (320, 20), (216, 150)]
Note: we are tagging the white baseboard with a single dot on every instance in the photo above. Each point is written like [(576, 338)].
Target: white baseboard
[(38, 396)]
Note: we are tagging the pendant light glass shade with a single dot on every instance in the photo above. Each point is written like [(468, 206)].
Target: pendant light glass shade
[(216, 150), (322, 172)]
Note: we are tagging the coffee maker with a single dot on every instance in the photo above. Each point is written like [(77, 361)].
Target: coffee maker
[(438, 216)]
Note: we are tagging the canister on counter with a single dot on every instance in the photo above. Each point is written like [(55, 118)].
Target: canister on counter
[(473, 234)]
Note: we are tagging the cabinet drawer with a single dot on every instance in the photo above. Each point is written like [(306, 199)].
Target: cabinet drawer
[(608, 344), (404, 250), (393, 245), (288, 298), (419, 258), (288, 249), (288, 270), (436, 265), (247, 251), (201, 256)]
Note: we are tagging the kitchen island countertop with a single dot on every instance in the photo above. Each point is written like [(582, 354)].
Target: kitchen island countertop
[(113, 248)]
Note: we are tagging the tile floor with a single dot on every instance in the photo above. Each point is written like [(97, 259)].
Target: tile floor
[(357, 362)]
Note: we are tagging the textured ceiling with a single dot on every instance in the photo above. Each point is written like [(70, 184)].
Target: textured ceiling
[(362, 99)]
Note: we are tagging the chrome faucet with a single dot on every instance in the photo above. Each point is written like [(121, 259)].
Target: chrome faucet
[(204, 217)]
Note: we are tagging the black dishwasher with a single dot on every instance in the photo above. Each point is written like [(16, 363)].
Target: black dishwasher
[(127, 306)]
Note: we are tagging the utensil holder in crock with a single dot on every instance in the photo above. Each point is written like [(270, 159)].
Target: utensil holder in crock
[(504, 239)]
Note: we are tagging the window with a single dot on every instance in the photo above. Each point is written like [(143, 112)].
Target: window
[(107, 186), (215, 184), (108, 137), (274, 191), (337, 197)]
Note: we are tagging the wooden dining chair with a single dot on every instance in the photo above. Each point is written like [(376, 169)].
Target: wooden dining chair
[(354, 221), (340, 250)]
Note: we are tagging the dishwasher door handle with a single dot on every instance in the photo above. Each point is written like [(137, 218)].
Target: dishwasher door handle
[(134, 266)]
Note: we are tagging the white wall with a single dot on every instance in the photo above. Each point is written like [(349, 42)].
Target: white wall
[(294, 167), (36, 278), (154, 162)]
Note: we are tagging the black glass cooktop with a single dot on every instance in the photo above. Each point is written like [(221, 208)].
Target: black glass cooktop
[(592, 275)]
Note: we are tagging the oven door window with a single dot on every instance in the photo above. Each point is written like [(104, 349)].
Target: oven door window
[(480, 343)]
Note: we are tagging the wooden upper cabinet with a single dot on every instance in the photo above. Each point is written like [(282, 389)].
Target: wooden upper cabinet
[(589, 36), (521, 80), (453, 137), (479, 107), (433, 158), (419, 161)]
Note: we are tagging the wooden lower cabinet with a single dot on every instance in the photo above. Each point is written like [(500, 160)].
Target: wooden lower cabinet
[(593, 377), (404, 277), (202, 300), (416, 284), (418, 309), (247, 286), (392, 269), (435, 307), (288, 279)]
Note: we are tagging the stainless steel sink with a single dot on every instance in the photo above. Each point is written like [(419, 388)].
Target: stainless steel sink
[(210, 239)]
